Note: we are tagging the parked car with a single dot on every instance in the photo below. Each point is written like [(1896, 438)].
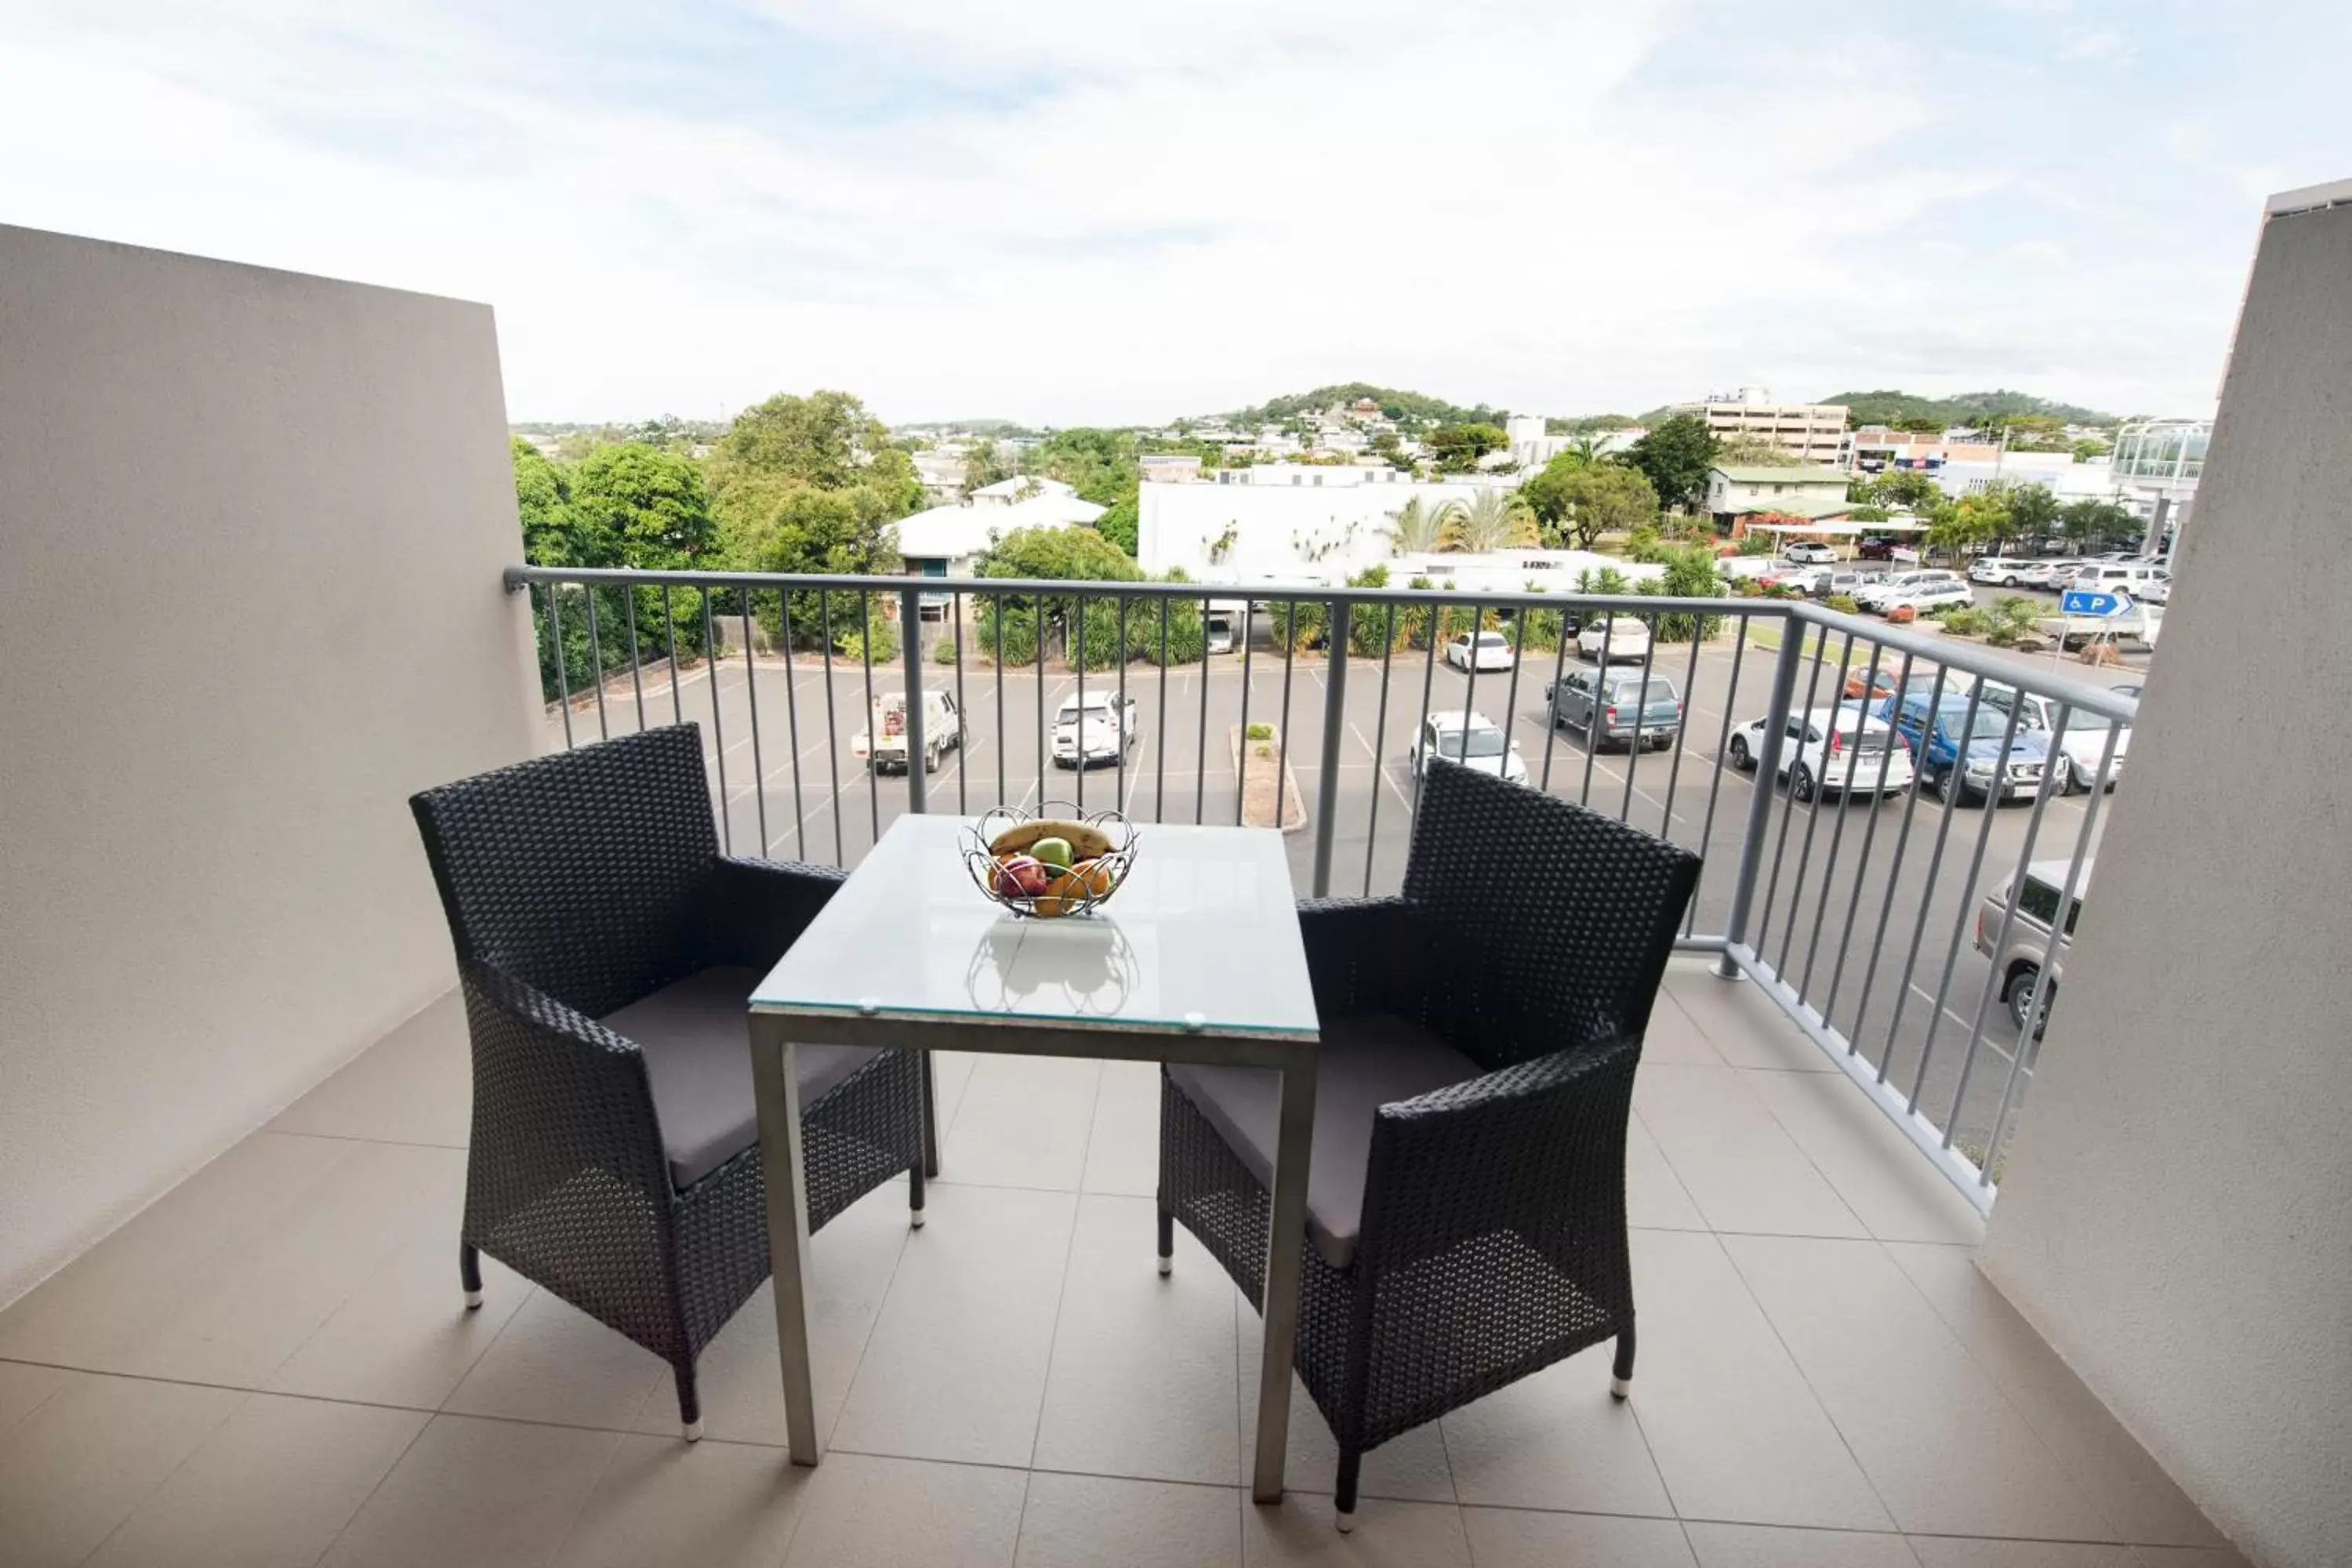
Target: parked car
[(1218, 629), (942, 732), (2031, 947), (1882, 592), (2079, 747), (1624, 636), (1470, 738), (2005, 571), (2150, 584), (1875, 547), (1808, 553), (1875, 684), (1932, 591), (1625, 705), (1819, 581), (2141, 624), (1098, 732), (1829, 747), (1490, 650), (1965, 761)]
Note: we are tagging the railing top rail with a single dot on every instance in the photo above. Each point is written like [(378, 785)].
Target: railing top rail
[(1983, 663)]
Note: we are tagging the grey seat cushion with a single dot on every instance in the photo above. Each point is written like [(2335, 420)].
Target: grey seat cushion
[(1366, 1062), (698, 1062)]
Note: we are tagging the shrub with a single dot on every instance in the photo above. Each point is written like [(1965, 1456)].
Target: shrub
[(944, 651), (1690, 573), (2012, 618), (1007, 632), (1965, 621), (878, 642), (1260, 732), (1754, 544), (1843, 602)]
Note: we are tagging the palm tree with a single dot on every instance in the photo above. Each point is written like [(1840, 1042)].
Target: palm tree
[(1493, 522), (1415, 528)]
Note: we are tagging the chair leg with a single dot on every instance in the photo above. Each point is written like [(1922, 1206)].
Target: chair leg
[(1167, 1242), (915, 1195), (469, 1274), (1620, 1383), (1344, 1503), (689, 1403)]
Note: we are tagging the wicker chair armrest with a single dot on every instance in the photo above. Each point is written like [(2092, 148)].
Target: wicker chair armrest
[(1538, 1147), (1360, 954), (749, 912)]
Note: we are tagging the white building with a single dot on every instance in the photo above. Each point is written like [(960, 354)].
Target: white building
[(1531, 448), (947, 541), (1809, 432), (1286, 522)]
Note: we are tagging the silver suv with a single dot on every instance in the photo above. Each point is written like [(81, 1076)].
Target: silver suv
[(2019, 961)]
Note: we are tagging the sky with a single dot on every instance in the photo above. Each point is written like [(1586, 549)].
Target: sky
[(1086, 214)]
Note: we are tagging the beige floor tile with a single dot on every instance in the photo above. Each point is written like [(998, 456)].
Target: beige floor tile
[(955, 1368), (495, 1494), (662, 1503), (2129, 1488), (23, 1387), (1739, 1021), (1740, 1168), (951, 1074), (1143, 1380), (93, 1451), (1771, 1546), (1736, 1431), (405, 1336), (1654, 1195), (1514, 1538), (1123, 1153), (111, 1302), (554, 1364), (2187, 1557), (1555, 1440), (1388, 1534), (1409, 1467), (1945, 1451), (861, 1511), (740, 1378), (271, 1488), (1674, 1037), (1951, 1551), (1086, 1521), (414, 1086), (1024, 1123), (1878, 1173), (239, 1326)]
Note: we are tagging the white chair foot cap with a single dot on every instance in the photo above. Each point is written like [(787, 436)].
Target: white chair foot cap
[(694, 1431), (1168, 1266), (915, 1219), (473, 1300), (1618, 1388), (1347, 1523)]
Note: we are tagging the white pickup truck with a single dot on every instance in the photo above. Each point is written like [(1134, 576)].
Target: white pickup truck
[(942, 732), (2139, 624)]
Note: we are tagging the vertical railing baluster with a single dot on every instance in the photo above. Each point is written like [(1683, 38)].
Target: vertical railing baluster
[(1681, 742), (1335, 719), (1819, 803), (1551, 698), (1593, 719), (873, 730), (954, 621), (1160, 789), (562, 675), (751, 702), (919, 752), (1119, 801), (1640, 707), (1967, 886), (1520, 616), (1001, 747), (832, 725), (597, 666), (1770, 781), (636, 665), (792, 719), (717, 726), (1845, 799), (1869, 838), (1927, 889), (1241, 750), (1419, 754), (1760, 799), (1043, 738), (1282, 725), (1078, 665), (1715, 785), (677, 691), (1379, 735), (1200, 755)]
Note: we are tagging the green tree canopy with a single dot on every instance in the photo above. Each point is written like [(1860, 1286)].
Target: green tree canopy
[(1414, 530), (826, 442), (1756, 452), (543, 499), (1579, 503), (1491, 521), (1458, 448), (2093, 523), (647, 500), (1674, 456), (2032, 510), (1913, 489)]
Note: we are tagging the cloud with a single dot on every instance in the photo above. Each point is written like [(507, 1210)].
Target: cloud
[(1063, 212), (2095, 43)]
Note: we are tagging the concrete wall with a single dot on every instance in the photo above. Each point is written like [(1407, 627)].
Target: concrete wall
[(2177, 1217), (251, 526)]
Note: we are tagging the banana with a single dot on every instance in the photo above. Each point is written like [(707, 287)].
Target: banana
[(1086, 841)]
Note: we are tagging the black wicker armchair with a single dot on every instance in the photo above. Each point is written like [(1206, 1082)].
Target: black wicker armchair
[(606, 950), (1466, 1195)]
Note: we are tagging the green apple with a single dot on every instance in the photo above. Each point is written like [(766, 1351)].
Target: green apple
[(1054, 852)]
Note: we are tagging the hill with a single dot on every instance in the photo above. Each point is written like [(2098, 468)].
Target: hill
[(1406, 407), (1891, 407)]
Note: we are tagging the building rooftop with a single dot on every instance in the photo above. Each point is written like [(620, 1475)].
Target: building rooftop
[(1775, 474)]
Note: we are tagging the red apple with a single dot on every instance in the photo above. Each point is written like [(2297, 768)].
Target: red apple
[(1020, 876)]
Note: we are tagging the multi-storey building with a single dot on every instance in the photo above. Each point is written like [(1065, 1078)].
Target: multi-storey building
[(1809, 432)]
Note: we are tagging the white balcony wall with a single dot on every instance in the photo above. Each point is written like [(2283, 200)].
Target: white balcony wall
[(251, 527), (2177, 1217)]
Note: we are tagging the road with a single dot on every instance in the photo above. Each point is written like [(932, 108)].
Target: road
[(1840, 905)]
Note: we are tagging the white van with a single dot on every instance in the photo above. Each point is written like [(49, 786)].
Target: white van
[(1921, 590), (1219, 631), (2151, 585)]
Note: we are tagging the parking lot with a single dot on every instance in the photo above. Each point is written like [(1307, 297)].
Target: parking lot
[(1865, 901)]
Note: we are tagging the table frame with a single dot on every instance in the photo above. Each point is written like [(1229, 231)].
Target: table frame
[(776, 1081)]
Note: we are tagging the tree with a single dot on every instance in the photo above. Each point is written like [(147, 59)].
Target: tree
[(1580, 504), (1088, 634), (544, 499), (649, 502), (1910, 488), (1413, 530), (1674, 456), (2093, 524), (1690, 573), (1458, 448), (2032, 511), (1755, 452), (826, 442), (1492, 520), (1119, 524), (983, 466)]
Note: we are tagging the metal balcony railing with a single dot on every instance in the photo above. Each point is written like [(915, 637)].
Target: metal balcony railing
[(1897, 897)]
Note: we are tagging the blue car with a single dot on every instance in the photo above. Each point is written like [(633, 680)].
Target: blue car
[(1974, 768)]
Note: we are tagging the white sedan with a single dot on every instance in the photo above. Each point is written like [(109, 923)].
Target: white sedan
[(1622, 635), (1809, 554), (1488, 650), (1837, 749)]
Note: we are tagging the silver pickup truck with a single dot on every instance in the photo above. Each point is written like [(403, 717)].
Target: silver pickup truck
[(2018, 960), (883, 743)]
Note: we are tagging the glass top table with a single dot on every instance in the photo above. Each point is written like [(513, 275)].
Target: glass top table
[(1202, 937), (1197, 958)]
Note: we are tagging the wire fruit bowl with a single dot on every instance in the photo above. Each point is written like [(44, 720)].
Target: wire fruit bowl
[(996, 852)]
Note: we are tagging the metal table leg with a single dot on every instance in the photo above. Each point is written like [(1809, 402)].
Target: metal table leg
[(1286, 1236), (775, 1082)]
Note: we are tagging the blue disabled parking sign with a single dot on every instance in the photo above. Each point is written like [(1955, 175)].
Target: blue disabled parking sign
[(2083, 601)]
